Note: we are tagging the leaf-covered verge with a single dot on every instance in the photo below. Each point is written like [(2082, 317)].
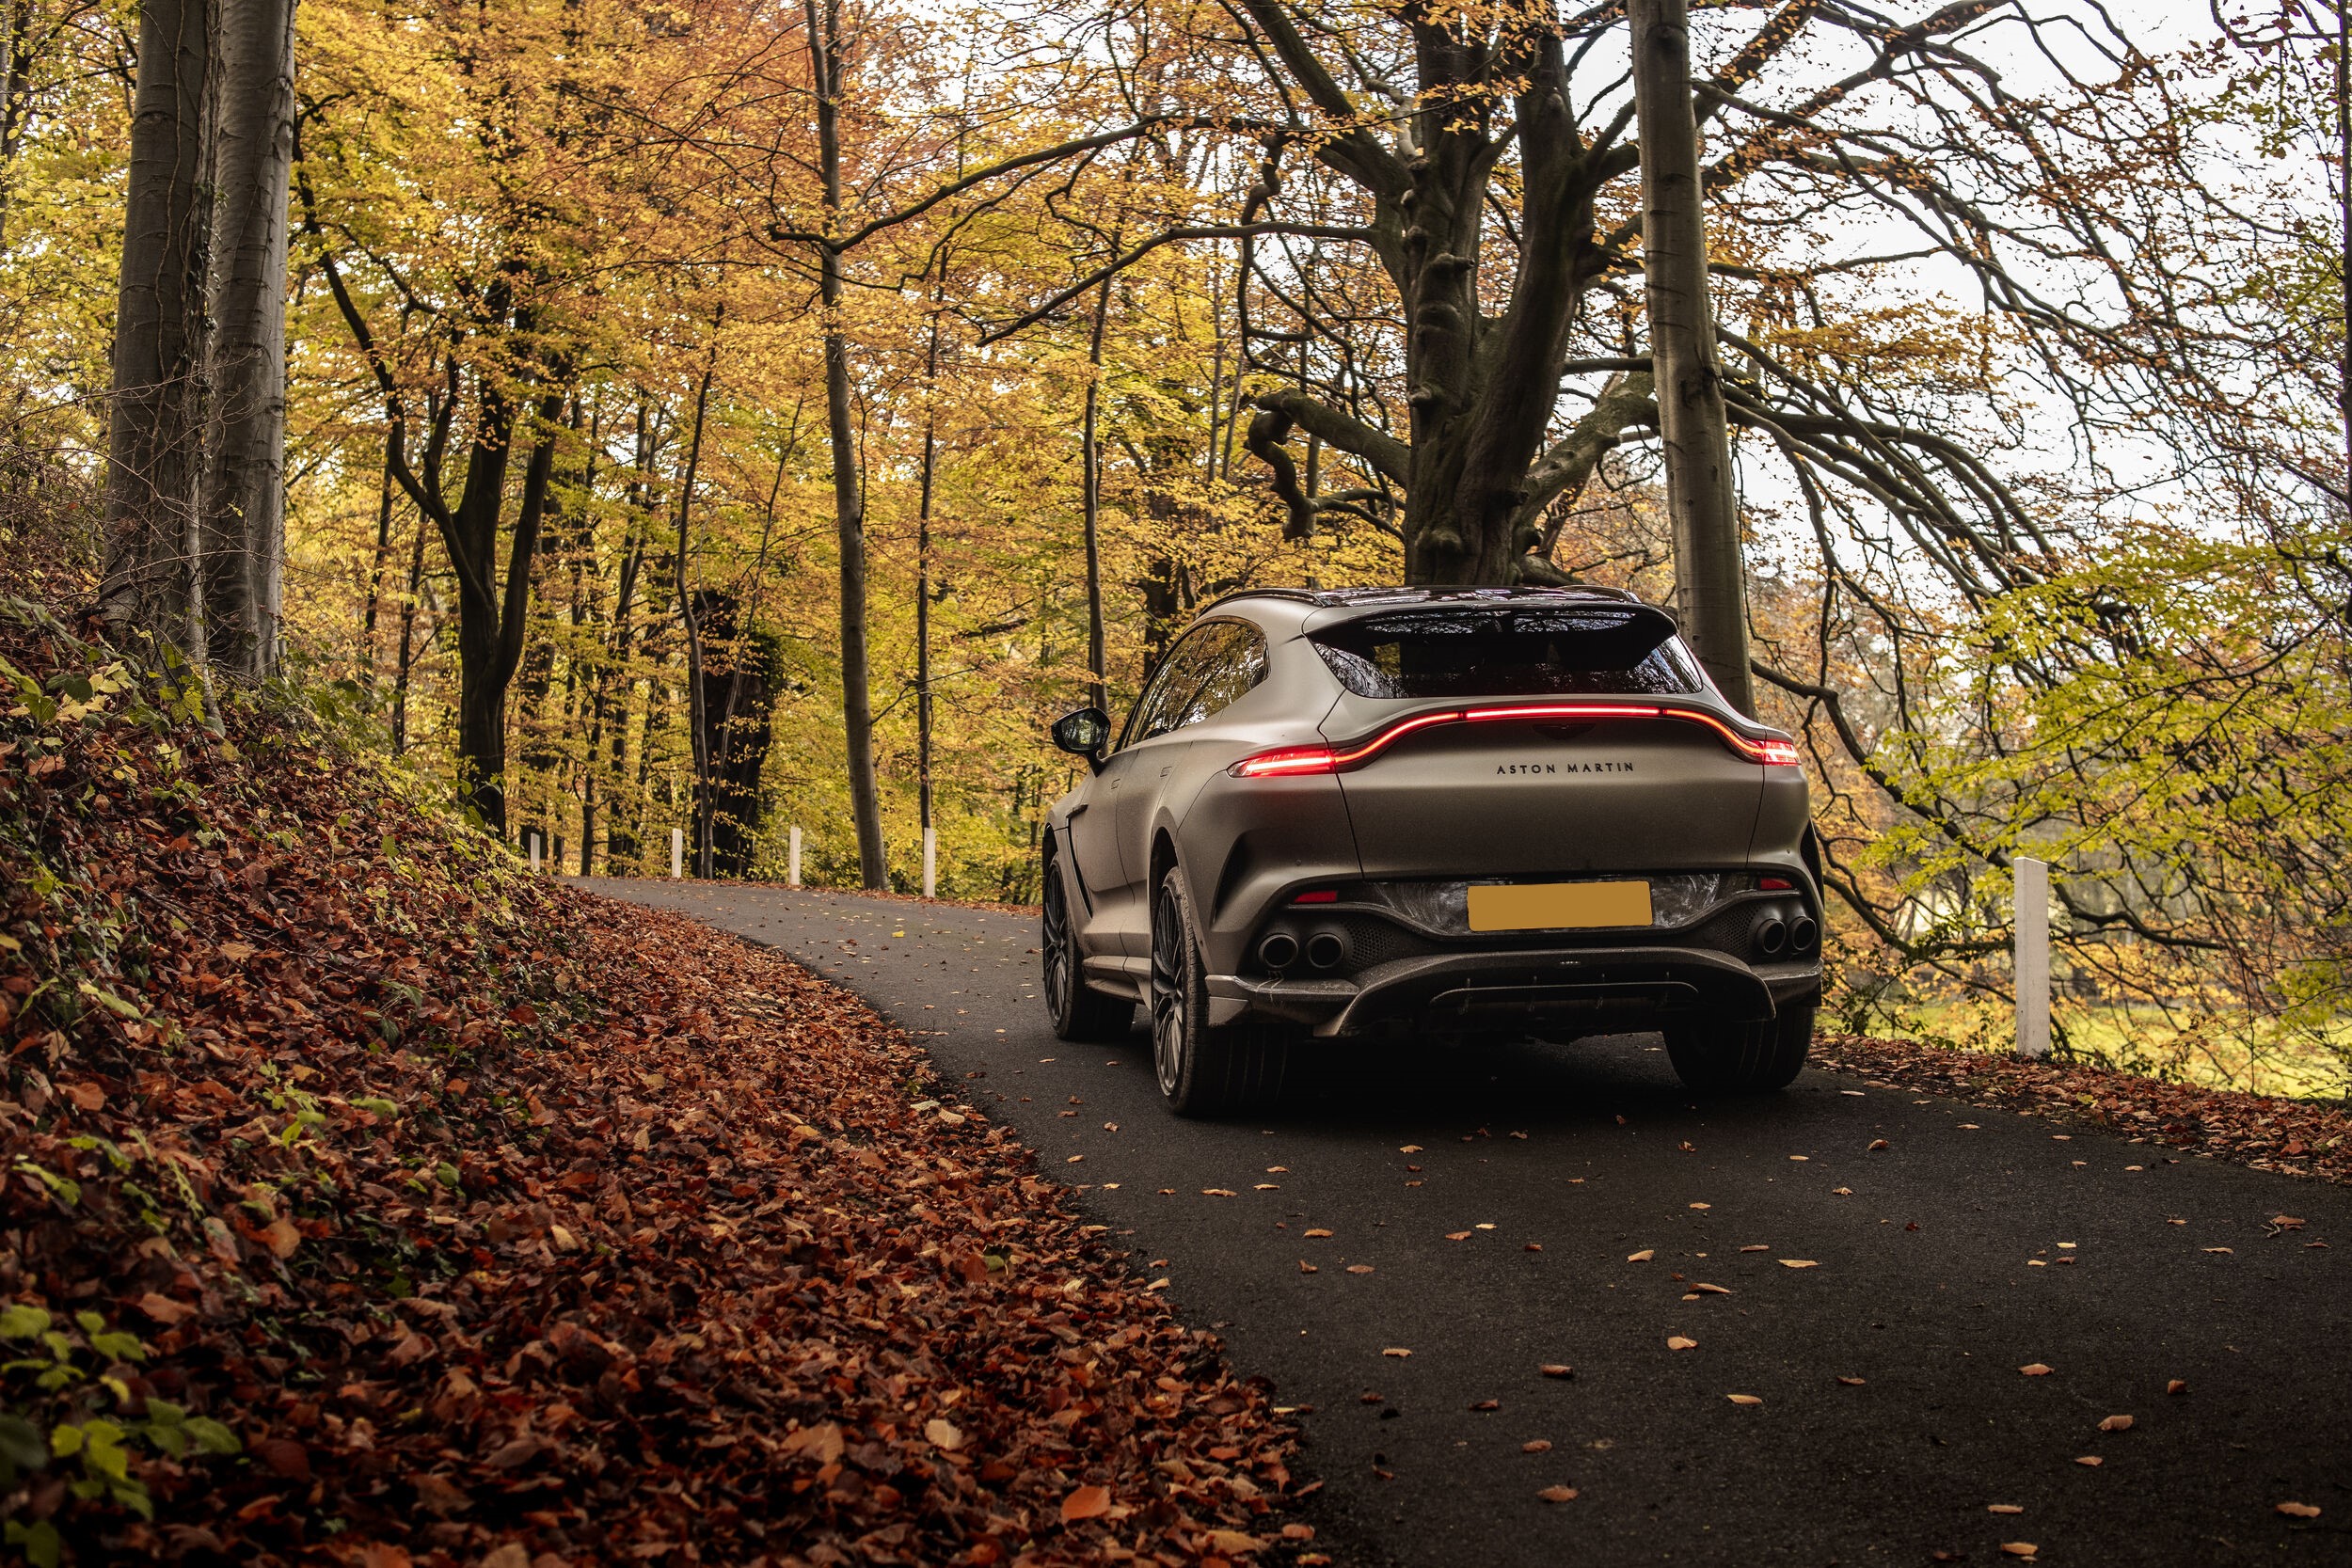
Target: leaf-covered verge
[(368, 1200), (2297, 1137)]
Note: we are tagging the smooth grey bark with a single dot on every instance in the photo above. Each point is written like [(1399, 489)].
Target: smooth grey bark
[(857, 701), (1711, 576), (154, 418), (241, 491)]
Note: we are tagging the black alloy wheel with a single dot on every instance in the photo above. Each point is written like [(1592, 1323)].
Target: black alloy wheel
[(1077, 1011), (1203, 1070)]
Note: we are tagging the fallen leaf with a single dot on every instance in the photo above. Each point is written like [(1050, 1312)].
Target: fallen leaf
[(235, 952), (942, 1434), (283, 1456), (2034, 1369), (1457, 1235), (1676, 1341), (164, 1309), (1877, 1143), (2298, 1510), (1799, 1263), (1558, 1494), (1702, 1205), (2020, 1548), (1397, 1351), (1744, 1399), (282, 1237), (2003, 1508), (1218, 1191), (2091, 1459), (1851, 1382), (1555, 1368), (1758, 1248), (1533, 1246), (1536, 1445), (1487, 1404), (1359, 1268), (2116, 1423), (1841, 1192), (1086, 1502), (1235, 1543), (1701, 1288), (1318, 1232), (1410, 1149), (1641, 1256), (2225, 1251), (2177, 1385)]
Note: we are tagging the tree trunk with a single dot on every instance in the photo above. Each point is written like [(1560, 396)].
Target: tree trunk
[(407, 643), (241, 491), (491, 616), (374, 606), (1709, 573), (698, 700), (923, 575), (1090, 493), (155, 417), (857, 704), (16, 73)]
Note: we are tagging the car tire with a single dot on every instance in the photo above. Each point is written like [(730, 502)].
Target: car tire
[(1715, 1055), (1077, 1011), (1203, 1070)]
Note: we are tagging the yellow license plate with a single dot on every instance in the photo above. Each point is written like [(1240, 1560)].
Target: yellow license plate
[(1558, 906)]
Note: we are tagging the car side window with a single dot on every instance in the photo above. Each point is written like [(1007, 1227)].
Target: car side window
[(1142, 721), (1208, 671)]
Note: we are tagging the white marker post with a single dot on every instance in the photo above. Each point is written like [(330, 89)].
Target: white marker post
[(792, 867), (534, 852), (677, 854), (930, 862), (2033, 958)]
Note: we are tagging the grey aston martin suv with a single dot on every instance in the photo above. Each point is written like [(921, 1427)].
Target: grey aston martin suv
[(1432, 814)]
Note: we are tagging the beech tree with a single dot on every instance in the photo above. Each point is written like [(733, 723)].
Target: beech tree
[(196, 497)]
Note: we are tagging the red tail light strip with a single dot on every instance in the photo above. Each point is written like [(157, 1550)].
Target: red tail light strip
[(1295, 761)]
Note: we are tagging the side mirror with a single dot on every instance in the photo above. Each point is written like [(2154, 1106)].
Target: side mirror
[(1084, 733)]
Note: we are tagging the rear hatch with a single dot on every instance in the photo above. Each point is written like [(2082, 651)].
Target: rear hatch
[(1526, 742)]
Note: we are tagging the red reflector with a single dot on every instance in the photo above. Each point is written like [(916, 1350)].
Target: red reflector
[(1324, 895), (1774, 884)]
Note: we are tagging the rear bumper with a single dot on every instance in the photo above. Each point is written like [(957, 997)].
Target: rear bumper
[(1589, 988)]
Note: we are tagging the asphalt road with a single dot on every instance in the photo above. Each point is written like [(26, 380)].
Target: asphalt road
[(1571, 1205)]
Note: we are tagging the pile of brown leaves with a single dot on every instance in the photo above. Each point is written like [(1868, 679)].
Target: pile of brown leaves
[(2296, 1136), (489, 1222)]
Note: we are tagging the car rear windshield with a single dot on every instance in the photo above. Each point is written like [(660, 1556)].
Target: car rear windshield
[(1509, 652)]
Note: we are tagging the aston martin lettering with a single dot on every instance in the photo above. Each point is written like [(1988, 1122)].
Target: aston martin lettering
[(1554, 768)]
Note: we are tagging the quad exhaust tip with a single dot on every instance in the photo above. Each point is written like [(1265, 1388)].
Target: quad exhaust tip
[(1326, 949), (1277, 950), (1772, 935), (1802, 934)]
